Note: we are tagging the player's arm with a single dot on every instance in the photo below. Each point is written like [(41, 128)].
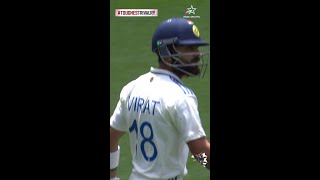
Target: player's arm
[(115, 136), (197, 148), (187, 121)]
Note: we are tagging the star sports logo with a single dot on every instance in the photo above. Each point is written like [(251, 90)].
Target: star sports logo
[(190, 11)]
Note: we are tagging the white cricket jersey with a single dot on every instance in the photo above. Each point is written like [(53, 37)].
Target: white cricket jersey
[(161, 115)]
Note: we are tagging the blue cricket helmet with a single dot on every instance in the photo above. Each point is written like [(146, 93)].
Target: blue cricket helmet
[(177, 31)]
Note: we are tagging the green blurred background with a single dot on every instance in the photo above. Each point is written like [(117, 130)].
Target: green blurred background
[(131, 56)]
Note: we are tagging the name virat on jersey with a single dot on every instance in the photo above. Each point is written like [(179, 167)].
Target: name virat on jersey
[(139, 104)]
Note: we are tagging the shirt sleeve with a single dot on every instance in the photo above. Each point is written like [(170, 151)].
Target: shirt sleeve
[(186, 118), (117, 120)]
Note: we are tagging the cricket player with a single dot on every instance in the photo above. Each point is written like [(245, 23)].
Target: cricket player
[(159, 112)]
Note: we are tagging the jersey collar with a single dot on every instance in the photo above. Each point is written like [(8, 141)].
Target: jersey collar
[(164, 72)]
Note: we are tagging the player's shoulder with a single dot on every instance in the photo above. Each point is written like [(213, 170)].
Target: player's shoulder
[(170, 82), (179, 88), (129, 86)]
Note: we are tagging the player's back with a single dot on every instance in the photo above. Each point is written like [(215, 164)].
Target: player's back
[(159, 151)]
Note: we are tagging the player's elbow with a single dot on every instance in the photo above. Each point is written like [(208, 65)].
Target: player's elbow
[(115, 136), (198, 146)]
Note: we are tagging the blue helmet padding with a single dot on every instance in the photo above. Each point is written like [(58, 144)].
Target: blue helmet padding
[(179, 28)]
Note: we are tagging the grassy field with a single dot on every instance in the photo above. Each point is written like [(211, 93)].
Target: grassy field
[(131, 56)]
